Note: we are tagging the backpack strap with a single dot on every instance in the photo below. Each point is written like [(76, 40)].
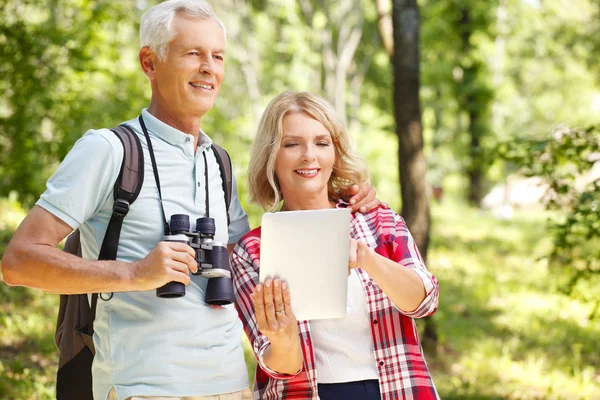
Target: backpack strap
[(126, 190), (224, 162)]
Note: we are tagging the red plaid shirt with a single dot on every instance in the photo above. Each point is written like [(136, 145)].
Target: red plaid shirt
[(403, 373)]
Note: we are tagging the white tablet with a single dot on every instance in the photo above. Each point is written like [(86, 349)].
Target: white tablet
[(309, 249)]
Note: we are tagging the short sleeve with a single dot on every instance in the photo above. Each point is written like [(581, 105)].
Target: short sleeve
[(85, 178)]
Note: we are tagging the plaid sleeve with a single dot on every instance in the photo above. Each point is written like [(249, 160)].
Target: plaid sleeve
[(402, 249), (244, 265)]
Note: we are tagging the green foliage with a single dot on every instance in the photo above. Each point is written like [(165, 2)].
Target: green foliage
[(504, 334), (11, 215), (60, 70), (565, 162)]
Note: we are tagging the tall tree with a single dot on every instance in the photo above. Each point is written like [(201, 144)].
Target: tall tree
[(409, 129), (407, 105), (473, 92)]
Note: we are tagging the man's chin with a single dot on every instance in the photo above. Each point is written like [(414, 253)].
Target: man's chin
[(204, 107)]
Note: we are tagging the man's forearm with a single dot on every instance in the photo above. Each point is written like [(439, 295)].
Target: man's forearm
[(50, 269)]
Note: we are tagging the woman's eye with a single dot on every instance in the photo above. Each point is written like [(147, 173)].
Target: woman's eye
[(290, 144), (323, 144), (219, 57)]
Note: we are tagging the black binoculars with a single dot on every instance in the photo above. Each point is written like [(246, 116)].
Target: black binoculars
[(211, 256)]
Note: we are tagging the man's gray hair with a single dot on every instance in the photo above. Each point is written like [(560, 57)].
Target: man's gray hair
[(156, 27)]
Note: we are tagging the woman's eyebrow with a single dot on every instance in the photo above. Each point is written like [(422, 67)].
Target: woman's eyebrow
[(290, 136)]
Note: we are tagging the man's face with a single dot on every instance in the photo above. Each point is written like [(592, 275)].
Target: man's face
[(189, 80)]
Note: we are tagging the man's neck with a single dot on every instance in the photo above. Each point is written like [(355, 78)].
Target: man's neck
[(189, 125)]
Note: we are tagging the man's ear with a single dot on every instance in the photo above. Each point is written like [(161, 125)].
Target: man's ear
[(148, 61)]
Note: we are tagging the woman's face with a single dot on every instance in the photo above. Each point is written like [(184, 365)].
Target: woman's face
[(305, 160)]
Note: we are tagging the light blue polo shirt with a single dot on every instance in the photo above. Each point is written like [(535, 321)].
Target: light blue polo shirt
[(145, 345)]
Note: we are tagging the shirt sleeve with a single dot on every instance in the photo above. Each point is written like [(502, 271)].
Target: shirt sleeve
[(238, 219), (403, 250), (85, 178), (245, 279)]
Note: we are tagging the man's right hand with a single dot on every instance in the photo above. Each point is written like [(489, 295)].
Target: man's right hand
[(167, 262)]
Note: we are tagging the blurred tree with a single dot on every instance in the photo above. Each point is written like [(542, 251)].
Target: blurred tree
[(472, 85), (407, 106), (569, 162), (59, 68)]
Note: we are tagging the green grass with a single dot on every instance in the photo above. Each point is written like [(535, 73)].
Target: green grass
[(504, 331)]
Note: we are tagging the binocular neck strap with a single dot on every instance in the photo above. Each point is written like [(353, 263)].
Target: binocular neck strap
[(206, 184), (167, 230)]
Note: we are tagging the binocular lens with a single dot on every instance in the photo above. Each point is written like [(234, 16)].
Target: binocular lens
[(180, 223), (205, 226), (171, 290)]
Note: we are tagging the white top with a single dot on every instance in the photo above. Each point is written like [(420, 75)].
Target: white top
[(145, 345), (344, 347)]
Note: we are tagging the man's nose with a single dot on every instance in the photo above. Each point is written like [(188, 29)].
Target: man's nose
[(207, 66)]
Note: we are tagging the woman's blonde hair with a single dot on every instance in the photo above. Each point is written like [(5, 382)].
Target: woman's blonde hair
[(263, 186)]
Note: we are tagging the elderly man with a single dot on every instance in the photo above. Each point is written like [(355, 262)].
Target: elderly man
[(147, 346)]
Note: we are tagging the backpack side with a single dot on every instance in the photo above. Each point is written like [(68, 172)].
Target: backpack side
[(225, 167), (74, 328)]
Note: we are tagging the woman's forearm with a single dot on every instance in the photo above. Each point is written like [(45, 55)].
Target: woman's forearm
[(400, 284)]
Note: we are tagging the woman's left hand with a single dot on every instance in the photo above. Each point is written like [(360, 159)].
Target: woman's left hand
[(361, 255), (274, 315)]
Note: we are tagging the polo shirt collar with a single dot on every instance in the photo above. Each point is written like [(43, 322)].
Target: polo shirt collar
[(169, 134)]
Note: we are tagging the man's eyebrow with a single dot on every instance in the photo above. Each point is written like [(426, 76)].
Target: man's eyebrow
[(188, 47)]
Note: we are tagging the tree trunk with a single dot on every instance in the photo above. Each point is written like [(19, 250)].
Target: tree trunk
[(469, 103), (407, 105)]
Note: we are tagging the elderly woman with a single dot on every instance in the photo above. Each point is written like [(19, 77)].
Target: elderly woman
[(301, 157)]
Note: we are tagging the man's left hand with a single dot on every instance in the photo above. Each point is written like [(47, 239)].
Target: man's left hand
[(362, 198)]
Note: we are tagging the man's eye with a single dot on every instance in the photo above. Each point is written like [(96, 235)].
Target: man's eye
[(194, 53)]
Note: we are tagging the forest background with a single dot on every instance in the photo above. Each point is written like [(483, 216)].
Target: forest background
[(478, 121)]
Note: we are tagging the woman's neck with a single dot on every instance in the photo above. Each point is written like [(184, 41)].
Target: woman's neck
[(308, 203)]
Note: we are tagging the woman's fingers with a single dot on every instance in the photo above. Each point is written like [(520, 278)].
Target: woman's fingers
[(352, 261), (269, 304), (287, 300), (278, 299), (259, 308)]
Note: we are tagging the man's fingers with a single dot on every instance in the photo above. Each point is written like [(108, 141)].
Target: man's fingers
[(177, 276), (182, 247), (185, 258), (370, 205), (368, 195)]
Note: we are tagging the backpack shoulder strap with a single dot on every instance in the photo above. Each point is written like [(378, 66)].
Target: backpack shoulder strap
[(226, 174), (126, 190)]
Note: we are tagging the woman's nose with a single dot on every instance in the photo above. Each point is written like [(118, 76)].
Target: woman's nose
[(309, 153)]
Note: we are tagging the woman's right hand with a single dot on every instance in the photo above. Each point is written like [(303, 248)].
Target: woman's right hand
[(274, 313)]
